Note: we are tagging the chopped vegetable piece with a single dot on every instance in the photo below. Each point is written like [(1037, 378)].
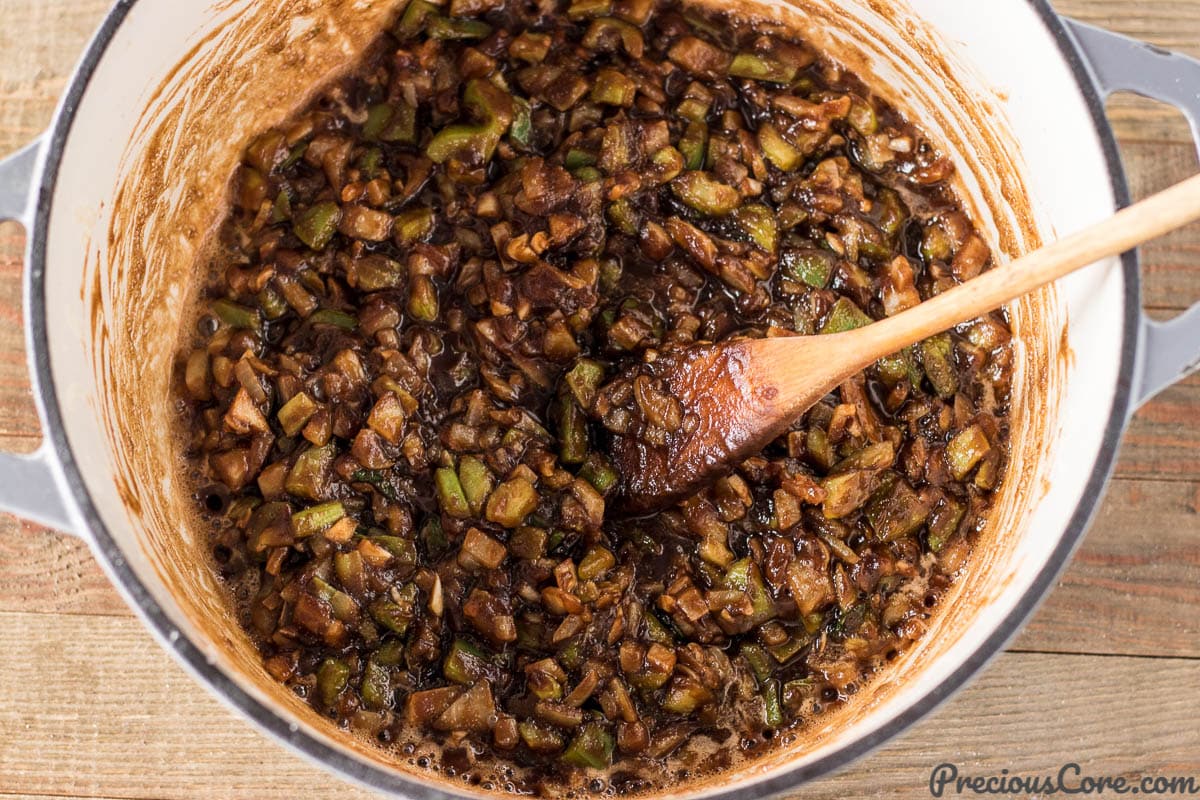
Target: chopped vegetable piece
[(584, 380), (773, 711), (845, 316), (896, 512), (778, 150), (236, 316), (316, 225), (316, 519), (332, 678), (761, 68), (705, 194), (329, 316), (813, 267), (757, 223), (965, 451), (694, 144), (572, 431), (937, 357), (439, 27), (450, 493), (591, 748), (465, 663), (613, 88), (512, 502), (476, 480), (309, 476)]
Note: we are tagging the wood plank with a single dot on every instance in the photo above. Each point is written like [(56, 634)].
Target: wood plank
[(40, 42), (1134, 585), (113, 703), (1162, 441), (47, 572)]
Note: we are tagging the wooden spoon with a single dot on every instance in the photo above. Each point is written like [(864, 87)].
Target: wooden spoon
[(744, 394)]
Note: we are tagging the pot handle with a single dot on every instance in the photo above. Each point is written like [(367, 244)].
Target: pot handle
[(28, 484), (1168, 351)]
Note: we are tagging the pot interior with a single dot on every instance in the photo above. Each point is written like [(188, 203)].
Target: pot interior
[(181, 88)]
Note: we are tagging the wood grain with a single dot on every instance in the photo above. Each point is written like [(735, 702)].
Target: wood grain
[(1107, 674), (107, 669)]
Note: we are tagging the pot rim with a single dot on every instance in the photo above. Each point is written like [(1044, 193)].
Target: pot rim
[(397, 783)]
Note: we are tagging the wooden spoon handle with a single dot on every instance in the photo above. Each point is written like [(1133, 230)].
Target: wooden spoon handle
[(1158, 214)]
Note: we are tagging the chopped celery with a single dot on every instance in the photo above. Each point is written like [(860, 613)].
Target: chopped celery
[(310, 474), (237, 316), (476, 481), (375, 272), (403, 550), (761, 68), (585, 9), (598, 472), (613, 88), (423, 299), (439, 27), (376, 688), (896, 511), (898, 366), (272, 303), (624, 217), (330, 316), (317, 225), (845, 316), (778, 150), (390, 123), (414, 225), (937, 357), (862, 116), (464, 663), (592, 747), (521, 131), (965, 451), (595, 563), (760, 663), (477, 142), (773, 711), (512, 502), (540, 739), (572, 431), (705, 194), (450, 493), (694, 144), (577, 157), (757, 223), (317, 519), (412, 22), (584, 380), (332, 677), (811, 266), (944, 522)]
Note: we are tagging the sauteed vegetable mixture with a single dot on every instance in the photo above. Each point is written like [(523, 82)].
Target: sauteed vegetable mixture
[(402, 383)]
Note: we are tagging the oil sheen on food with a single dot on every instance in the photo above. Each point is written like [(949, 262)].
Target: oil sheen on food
[(415, 348)]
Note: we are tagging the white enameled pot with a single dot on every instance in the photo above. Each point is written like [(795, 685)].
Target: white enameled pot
[(119, 195)]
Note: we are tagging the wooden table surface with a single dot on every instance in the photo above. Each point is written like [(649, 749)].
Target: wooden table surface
[(1107, 674)]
